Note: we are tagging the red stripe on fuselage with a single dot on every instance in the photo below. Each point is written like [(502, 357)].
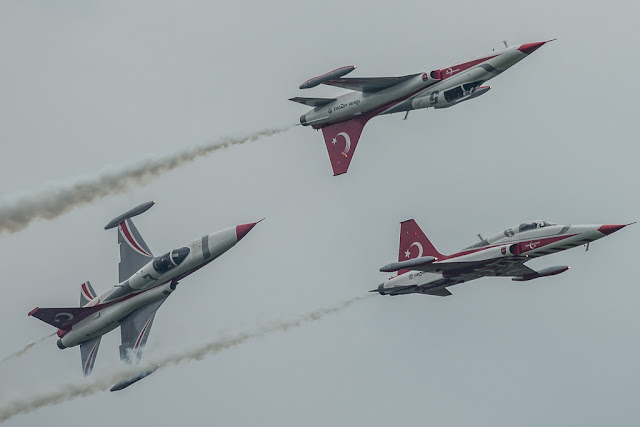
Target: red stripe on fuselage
[(445, 73), (548, 241)]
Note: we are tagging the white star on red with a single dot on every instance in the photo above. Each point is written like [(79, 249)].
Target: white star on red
[(407, 254), (334, 141)]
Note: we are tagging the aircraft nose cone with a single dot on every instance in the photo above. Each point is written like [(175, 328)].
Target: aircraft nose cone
[(527, 48), (243, 229), (608, 229)]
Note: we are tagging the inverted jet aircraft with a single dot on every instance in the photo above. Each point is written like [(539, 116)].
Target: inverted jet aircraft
[(146, 281), (423, 270), (343, 118)]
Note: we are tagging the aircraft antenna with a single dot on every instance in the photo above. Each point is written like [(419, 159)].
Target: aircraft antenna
[(505, 43)]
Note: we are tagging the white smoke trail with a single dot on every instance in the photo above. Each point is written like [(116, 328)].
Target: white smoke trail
[(19, 210), (26, 348), (95, 384)]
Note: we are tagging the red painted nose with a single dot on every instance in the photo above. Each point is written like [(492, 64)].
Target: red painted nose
[(242, 230), (608, 229), (530, 47)]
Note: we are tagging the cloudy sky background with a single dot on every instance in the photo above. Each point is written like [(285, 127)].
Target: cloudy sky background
[(85, 85)]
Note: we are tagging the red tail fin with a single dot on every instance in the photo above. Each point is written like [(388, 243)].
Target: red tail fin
[(414, 243), (341, 140)]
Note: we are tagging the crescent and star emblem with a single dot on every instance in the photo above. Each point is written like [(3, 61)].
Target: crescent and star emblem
[(347, 141), (407, 254), (532, 245), (59, 316)]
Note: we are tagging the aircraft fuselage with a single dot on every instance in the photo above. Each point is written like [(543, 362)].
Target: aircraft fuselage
[(439, 89), (497, 256), (154, 281)]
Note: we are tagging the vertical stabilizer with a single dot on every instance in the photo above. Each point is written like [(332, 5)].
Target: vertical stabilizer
[(414, 243)]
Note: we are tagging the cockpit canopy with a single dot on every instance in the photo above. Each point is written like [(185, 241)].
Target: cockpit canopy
[(172, 259), (526, 226), (510, 232)]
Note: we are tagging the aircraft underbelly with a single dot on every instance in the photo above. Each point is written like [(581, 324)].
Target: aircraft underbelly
[(106, 320)]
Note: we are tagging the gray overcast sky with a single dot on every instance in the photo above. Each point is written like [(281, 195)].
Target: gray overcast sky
[(89, 84)]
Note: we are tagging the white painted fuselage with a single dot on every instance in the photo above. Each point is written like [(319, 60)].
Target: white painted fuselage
[(501, 255), (423, 90), (146, 286)]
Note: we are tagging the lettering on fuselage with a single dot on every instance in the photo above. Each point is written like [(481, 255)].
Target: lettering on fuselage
[(149, 277), (344, 105)]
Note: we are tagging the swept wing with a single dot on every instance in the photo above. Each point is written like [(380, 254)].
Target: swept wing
[(368, 84)]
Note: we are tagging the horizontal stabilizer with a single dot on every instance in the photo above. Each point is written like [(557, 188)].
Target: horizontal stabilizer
[(408, 265), (63, 318), (312, 102), (368, 84)]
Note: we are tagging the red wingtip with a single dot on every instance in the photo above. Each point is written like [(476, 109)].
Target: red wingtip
[(609, 228), (242, 230), (528, 48), (32, 311)]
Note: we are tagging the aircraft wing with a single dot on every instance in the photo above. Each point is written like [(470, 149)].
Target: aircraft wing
[(135, 329), (312, 102), (134, 252), (368, 84), (498, 267)]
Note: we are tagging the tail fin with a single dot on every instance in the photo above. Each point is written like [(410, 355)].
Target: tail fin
[(414, 243), (341, 140), (86, 293)]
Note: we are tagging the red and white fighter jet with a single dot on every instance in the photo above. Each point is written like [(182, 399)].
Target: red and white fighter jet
[(423, 270), (343, 118), (146, 281)]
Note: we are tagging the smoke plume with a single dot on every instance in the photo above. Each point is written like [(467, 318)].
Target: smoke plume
[(19, 210), (26, 348), (88, 386)]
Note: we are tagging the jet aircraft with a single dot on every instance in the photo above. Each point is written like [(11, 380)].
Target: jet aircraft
[(343, 118), (423, 270), (145, 283)]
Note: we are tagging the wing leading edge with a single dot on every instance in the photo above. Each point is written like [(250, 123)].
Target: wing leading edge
[(368, 84)]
